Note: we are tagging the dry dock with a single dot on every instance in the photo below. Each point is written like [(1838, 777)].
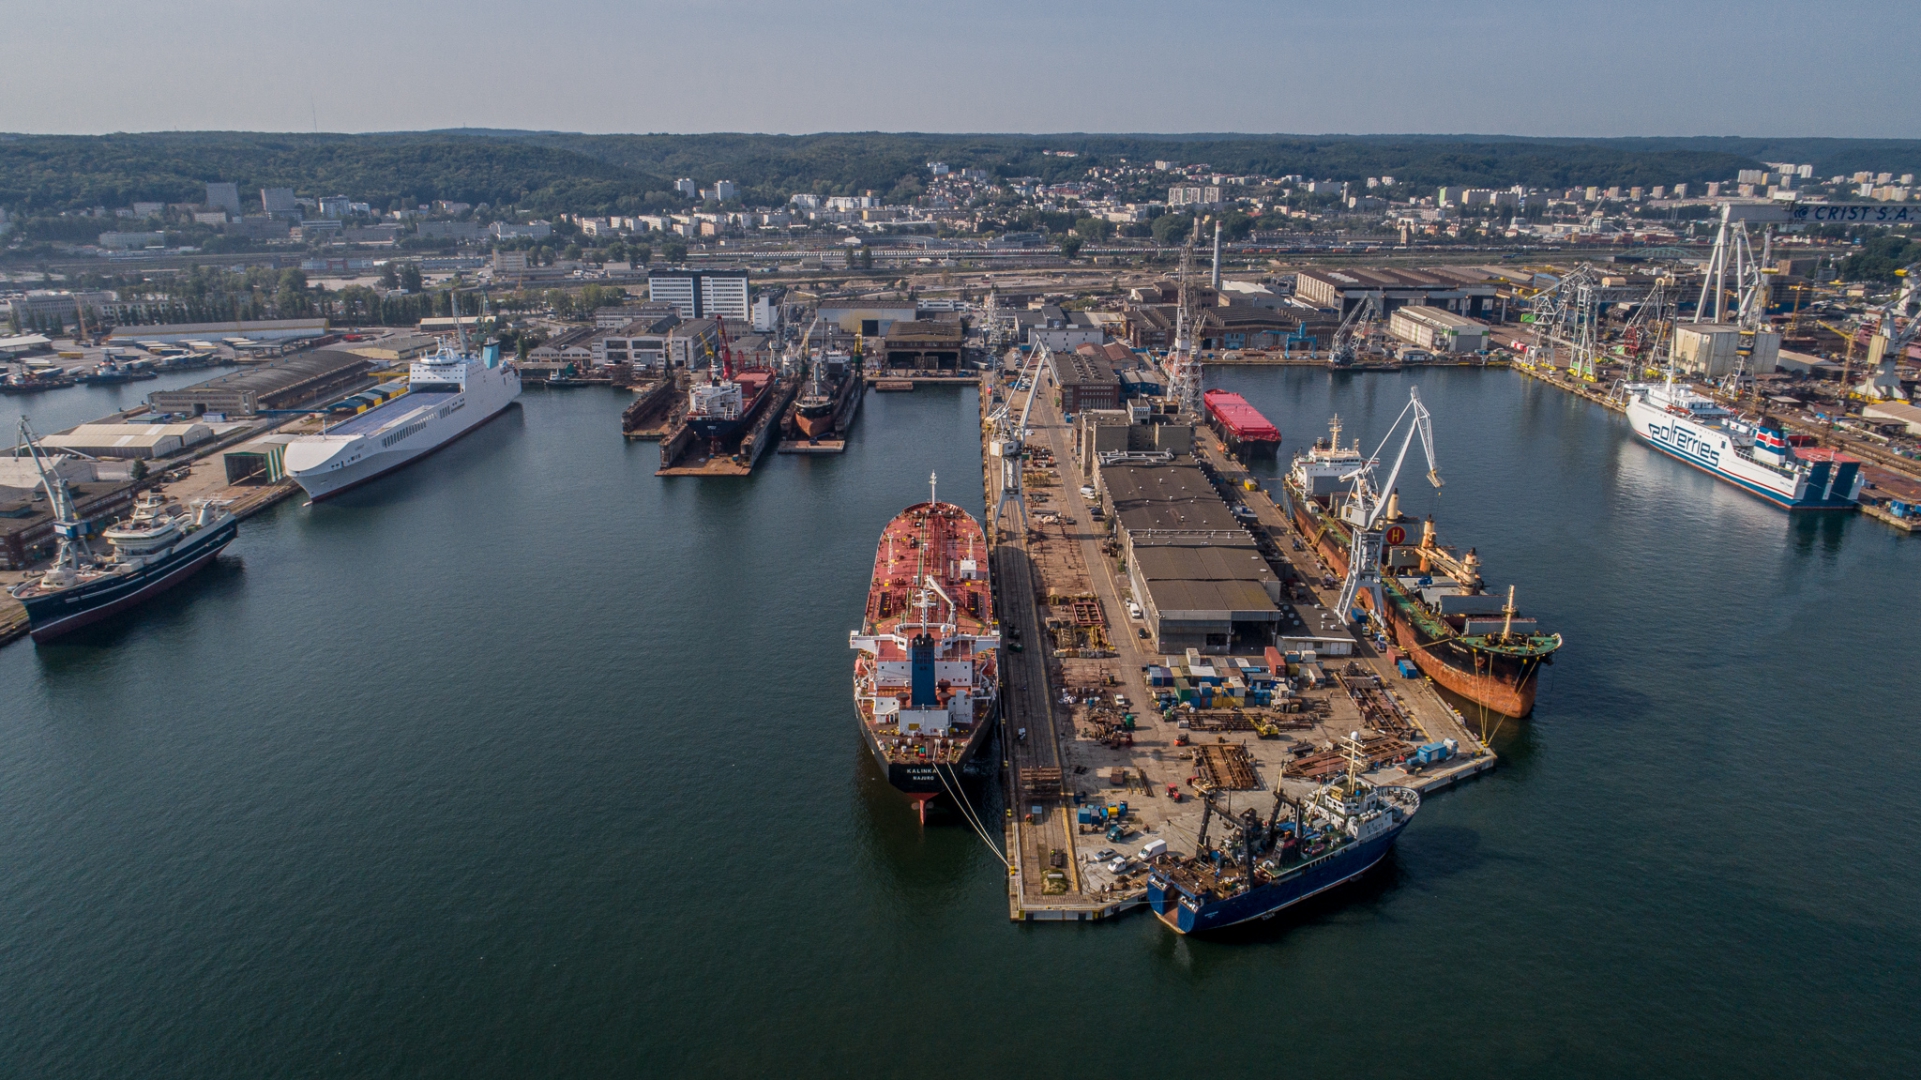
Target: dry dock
[(1061, 597)]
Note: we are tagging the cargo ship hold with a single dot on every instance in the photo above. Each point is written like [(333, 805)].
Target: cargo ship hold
[(1472, 643), (1240, 425), (1263, 867), (154, 550), (448, 394), (926, 677), (1753, 456)]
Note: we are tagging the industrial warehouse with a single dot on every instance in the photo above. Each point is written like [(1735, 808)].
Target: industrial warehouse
[(294, 383)]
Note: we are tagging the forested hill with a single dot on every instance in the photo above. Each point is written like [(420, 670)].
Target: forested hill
[(554, 171), (39, 173)]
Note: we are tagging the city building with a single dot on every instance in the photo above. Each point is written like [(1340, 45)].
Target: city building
[(1086, 382), (686, 186), (335, 206), (279, 200), (1437, 330), (533, 230), (701, 294), (224, 197), (1464, 291)]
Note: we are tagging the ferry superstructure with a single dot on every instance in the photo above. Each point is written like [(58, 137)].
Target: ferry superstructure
[(449, 394), (926, 678), (1753, 456)]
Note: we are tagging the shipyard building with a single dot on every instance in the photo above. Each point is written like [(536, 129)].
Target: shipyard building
[(298, 382), (1195, 570)]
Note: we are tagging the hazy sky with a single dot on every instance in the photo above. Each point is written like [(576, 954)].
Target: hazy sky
[(1597, 67)]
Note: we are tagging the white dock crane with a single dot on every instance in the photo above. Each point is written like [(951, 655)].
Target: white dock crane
[(1010, 438), (1183, 368), (1366, 508)]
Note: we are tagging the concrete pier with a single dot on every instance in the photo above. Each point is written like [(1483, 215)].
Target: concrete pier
[(1080, 673)]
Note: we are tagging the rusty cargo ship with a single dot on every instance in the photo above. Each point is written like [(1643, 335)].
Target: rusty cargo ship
[(1475, 644), (926, 677)]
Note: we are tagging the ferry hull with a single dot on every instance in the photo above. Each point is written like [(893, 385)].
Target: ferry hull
[(321, 485), (1271, 899), (49, 617), (1827, 487)]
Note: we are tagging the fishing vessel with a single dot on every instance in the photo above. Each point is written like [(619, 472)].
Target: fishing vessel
[(926, 683), (1753, 455), (158, 547), (1262, 867), (449, 393)]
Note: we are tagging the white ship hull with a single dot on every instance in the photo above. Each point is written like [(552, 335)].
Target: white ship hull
[(384, 439), (1711, 450)]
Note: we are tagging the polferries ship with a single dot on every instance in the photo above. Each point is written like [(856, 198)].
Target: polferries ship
[(448, 394), (1753, 456)]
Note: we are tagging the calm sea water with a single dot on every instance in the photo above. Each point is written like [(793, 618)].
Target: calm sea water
[(524, 762)]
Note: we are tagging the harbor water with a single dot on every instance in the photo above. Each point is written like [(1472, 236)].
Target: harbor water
[(524, 762)]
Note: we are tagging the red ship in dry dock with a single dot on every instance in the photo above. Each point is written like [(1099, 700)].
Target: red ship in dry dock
[(1240, 425), (926, 677)]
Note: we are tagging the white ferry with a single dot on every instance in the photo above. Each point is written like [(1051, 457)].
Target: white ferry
[(449, 394), (1753, 456)]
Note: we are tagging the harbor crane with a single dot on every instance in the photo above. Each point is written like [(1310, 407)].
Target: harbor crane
[(1183, 368), (1367, 508), (1009, 440), (1354, 331)]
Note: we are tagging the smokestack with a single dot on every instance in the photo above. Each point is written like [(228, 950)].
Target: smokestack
[(1216, 279)]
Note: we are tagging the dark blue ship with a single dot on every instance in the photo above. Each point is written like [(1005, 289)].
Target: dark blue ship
[(157, 548), (1335, 835)]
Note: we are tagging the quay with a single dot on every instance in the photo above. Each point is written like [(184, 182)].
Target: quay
[(201, 476), (1079, 686)]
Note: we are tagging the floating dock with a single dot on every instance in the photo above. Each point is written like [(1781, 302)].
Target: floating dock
[(652, 414), (680, 457), (1061, 599)]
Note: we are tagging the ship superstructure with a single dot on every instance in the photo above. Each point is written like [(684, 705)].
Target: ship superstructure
[(926, 681), (724, 399), (1303, 847), (1753, 455), (449, 393), (1431, 602), (156, 548)]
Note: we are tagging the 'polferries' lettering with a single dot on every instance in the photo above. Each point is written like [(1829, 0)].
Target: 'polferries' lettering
[(1685, 440)]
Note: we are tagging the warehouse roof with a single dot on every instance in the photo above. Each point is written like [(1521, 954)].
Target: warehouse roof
[(1195, 562), (279, 375), (1238, 601)]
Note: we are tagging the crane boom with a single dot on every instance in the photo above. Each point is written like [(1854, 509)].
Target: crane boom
[(1369, 502)]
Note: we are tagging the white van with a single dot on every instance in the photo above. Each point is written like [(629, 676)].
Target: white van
[(1153, 849)]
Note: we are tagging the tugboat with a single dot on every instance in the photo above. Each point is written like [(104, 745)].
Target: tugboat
[(1336, 834), (154, 550)]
